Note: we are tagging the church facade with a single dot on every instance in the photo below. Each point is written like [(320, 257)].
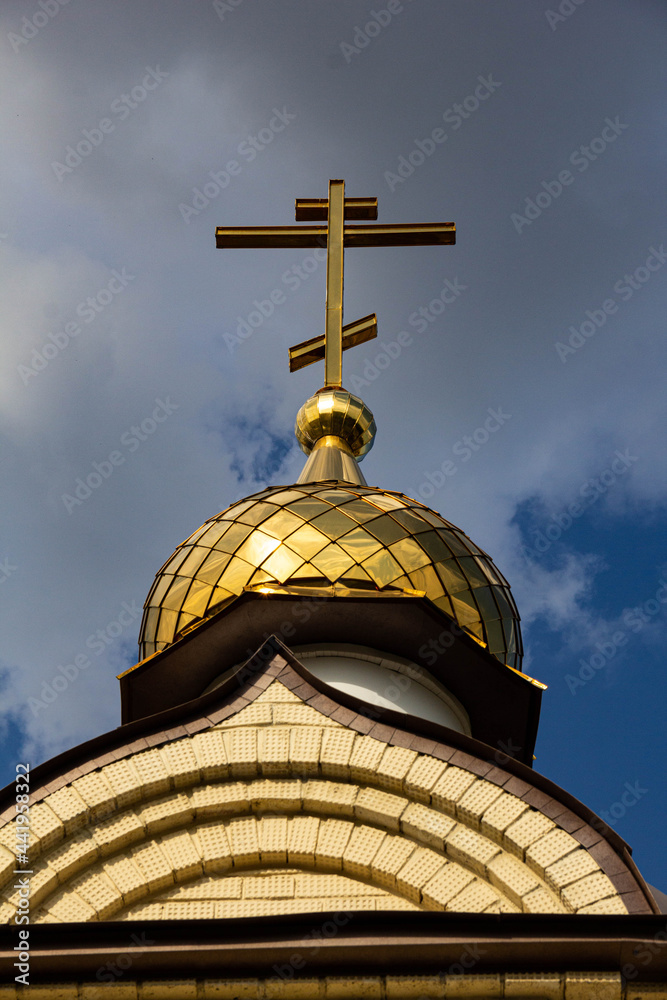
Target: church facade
[(322, 785)]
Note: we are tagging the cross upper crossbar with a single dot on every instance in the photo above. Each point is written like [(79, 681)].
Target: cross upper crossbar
[(317, 209), (336, 236)]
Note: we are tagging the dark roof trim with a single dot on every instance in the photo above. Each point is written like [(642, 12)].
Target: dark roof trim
[(338, 943), (409, 627)]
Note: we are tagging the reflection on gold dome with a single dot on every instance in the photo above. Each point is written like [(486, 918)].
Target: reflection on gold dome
[(321, 534)]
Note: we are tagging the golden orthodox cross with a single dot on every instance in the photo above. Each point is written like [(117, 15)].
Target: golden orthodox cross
[(335, 211)]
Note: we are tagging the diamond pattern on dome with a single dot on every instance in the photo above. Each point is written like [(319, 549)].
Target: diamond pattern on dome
[(282, 563), (307, 508), (357, 576), (232, 538), (496, 638), (306, 541), (281, 524), (359, 544), (427, 579), (386, 502), (409, 554), (386, 529), (321, 534), (360, 510), (255, 515), (332, 561), (307, 572), (445, 604), (452, 576), (411, 520), (383, 568), (175, 598), (211, 569), (236, 575), (257, 547), (333, 523)]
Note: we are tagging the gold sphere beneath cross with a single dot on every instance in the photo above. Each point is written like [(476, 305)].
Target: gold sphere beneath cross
[(335, 412)]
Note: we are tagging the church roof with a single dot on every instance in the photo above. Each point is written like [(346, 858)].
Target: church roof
[(502, 704), (270, 776)]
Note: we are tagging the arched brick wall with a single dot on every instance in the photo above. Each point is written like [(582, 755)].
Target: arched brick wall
[(280, 785)]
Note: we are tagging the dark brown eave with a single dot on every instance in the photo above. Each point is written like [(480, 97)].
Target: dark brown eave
[(368, 944), (503, 705)]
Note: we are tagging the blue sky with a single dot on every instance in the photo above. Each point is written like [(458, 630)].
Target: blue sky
[(130, 131)]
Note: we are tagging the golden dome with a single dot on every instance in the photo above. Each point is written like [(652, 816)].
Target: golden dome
[(332, 535)]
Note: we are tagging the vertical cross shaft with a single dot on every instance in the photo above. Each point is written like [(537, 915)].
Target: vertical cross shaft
[(333, 361)]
